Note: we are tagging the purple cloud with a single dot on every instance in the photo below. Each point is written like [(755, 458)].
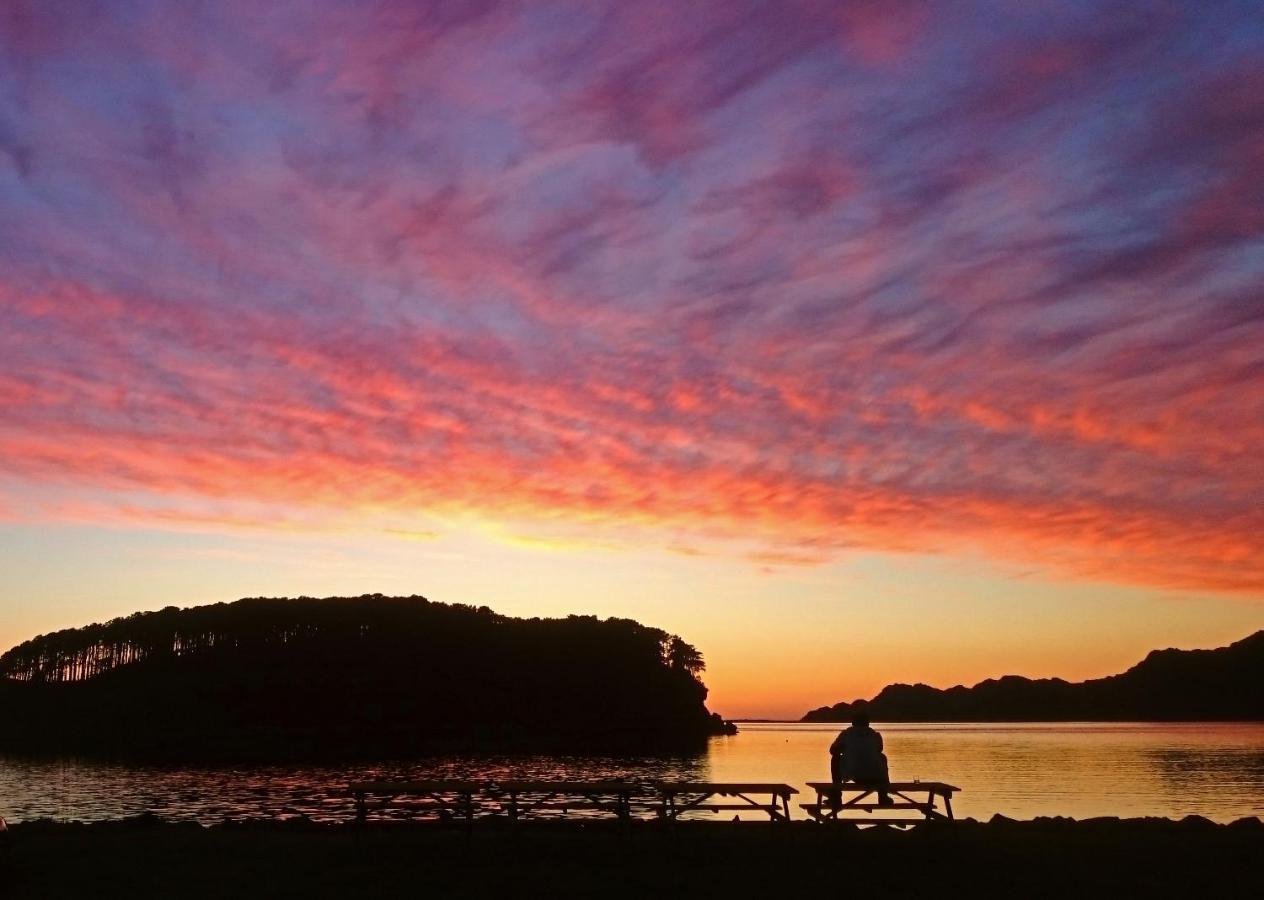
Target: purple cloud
[(898, 276)]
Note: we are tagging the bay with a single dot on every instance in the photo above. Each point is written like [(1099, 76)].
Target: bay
[(1023, 770)]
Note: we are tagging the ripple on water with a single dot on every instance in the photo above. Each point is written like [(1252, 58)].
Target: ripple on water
[(1080, 770)]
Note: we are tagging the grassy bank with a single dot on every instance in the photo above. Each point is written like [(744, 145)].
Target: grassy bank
[(1047, 857)]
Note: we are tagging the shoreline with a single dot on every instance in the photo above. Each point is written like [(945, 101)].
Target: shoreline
[(915, 725), (146, 857)]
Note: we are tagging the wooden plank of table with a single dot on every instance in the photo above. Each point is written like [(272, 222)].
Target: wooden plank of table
[(823, 811), (527, 796), (439, 794), (735, 807), (523, 808), (672, 807), (826, 811), (880, 806)]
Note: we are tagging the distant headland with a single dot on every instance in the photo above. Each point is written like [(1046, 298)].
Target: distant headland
[(1226, 684), (339, 677)]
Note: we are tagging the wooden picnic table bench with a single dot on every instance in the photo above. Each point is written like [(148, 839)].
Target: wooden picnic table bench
[(445, 798), (526, 797), (687, 796), (904, 795)]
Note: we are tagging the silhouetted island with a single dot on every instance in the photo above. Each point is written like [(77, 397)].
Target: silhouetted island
[(1226, 684), (336, 677)]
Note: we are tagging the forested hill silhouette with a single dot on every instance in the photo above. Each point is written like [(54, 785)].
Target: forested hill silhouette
[(1226, 684), (309, 678)]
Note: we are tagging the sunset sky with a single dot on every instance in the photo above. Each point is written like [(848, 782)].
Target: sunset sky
[(854, 342)]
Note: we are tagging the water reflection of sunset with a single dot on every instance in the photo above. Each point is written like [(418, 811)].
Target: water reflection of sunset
[(1018, 770)]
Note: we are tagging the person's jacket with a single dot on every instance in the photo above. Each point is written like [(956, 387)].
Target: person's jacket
[(861, 748)]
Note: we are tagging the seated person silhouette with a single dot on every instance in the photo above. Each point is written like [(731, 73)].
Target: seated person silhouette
[(856, 756)]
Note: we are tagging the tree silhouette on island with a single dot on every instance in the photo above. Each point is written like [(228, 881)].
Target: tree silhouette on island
[(350, 677)]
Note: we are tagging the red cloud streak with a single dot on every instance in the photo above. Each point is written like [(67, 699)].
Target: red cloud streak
[(800, 279)]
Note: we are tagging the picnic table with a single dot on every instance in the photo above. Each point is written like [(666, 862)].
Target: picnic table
[(680, 797), (446, 799), (527, 797), (453, 799), (862, 798)]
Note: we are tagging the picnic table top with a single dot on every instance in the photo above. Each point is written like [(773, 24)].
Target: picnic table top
[(723, 787), (621, 787), (936, 786)]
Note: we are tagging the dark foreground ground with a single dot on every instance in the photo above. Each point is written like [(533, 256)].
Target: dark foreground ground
[(1046, 857)]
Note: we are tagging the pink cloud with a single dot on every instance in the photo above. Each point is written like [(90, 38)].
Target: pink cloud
[(697, 273)]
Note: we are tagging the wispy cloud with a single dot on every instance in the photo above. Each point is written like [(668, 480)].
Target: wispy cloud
[(906, 276)]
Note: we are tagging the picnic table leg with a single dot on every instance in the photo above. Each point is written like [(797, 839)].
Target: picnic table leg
[(948, 804)]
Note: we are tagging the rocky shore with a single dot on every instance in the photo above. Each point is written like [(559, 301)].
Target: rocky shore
[(144, 857)]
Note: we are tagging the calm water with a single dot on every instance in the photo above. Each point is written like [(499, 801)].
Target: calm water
[(1213, 770), (1026, 770)]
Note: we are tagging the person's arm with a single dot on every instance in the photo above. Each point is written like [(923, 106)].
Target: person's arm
[(878, 735), (837, 747)]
